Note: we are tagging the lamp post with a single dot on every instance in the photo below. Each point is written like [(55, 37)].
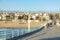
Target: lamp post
[(28, 22)]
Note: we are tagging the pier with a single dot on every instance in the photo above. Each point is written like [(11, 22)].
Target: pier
[(41, 34)]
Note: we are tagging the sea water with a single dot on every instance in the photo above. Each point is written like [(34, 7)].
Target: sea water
[(9, 33)]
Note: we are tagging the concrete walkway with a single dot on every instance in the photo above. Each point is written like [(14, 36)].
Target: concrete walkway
[(45, 33)]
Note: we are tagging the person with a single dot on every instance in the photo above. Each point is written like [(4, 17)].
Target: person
[(47, 25)]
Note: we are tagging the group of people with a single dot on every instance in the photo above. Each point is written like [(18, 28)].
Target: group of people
[(53, 22)]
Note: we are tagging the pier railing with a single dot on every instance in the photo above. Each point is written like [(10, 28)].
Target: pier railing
[(27, 34)]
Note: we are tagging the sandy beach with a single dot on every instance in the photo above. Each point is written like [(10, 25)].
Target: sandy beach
[(10, 24)]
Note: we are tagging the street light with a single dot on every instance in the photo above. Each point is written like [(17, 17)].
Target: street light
[(28, 22)]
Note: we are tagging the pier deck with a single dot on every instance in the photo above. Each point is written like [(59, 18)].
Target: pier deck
[(52, 32)]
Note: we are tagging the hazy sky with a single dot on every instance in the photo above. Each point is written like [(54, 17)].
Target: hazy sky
[(33, 5)]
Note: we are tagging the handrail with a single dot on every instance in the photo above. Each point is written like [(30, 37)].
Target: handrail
[(27, 34)]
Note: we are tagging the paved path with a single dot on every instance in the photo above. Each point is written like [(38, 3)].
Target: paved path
[(45, 33)]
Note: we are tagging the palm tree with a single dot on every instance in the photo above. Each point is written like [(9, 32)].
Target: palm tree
[(10, 16)]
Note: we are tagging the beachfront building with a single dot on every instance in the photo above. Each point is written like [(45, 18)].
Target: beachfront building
[(21, 18), (40, 16), (57, 16), (34, 17), (37, 17), (46, 17), (16, 16)]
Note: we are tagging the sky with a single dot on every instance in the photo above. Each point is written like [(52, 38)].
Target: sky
[(30, 5)]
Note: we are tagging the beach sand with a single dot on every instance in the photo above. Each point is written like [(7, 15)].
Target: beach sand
[(10, 24)]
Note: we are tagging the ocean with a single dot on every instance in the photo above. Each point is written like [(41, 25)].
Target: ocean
[(9, 33)]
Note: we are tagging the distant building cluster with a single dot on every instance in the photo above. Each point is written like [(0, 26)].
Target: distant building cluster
[(21, 17), (9, 16)]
